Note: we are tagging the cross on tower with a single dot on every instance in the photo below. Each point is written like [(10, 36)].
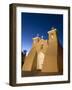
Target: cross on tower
[(37, 35), (42, 37)]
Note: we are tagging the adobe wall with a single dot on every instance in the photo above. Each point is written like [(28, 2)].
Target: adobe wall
[(50, 61), (49, 48)]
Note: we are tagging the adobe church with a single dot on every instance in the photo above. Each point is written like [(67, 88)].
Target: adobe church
[(45, 56)]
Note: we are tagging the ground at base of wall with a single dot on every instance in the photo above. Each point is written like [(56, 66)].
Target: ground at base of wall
[(39, 73)]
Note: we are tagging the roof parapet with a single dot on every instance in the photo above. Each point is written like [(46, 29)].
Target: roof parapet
[(52, 29)]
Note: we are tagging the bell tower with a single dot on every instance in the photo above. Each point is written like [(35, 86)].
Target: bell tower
[(50, 62)]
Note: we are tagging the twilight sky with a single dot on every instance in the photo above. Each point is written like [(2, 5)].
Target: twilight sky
[(33, 24)]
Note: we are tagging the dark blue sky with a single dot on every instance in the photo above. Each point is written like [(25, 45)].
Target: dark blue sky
[(36, 23)]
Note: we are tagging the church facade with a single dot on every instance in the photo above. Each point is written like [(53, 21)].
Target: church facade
[(45, 55)]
